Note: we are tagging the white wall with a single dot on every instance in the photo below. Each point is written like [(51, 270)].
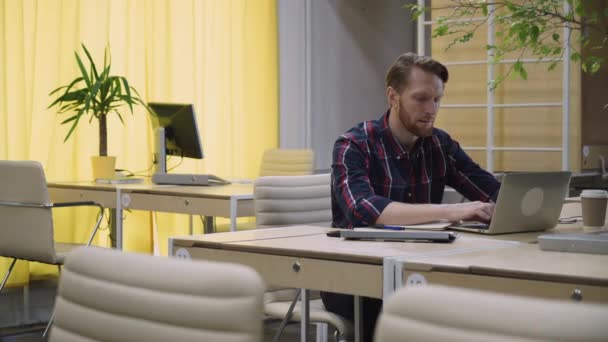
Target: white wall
[(333, 56)]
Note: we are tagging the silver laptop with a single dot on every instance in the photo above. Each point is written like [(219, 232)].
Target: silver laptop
[(526, 202)]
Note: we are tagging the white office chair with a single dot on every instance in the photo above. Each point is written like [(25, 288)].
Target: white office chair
[(436, 313), (107, 295), (292, 200), (287, 162), (289, 201), (279, 162), (27, 221)]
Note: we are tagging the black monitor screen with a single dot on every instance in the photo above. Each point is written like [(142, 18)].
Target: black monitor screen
[(181, 132)]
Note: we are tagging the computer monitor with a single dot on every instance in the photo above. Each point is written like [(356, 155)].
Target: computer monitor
[(180, 129), (176, 133)]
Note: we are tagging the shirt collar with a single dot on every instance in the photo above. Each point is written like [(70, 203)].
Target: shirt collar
[(392, 145)]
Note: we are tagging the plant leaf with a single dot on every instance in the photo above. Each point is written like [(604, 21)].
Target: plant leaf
[(552, 65), (106, 83), (93, 68), (523, 73), (128, 92), (76, 95), (575, 56), (555, 37), (517, 66), (119, 116), (56, 90), (74, 124), (534, 33), (71, 118), (83, 70)]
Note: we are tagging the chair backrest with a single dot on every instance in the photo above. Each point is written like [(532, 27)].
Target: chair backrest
[(287, 162), (107, 295), (25, 232), (436, 313), (292, 200)]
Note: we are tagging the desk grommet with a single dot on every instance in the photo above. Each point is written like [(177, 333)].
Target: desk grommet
[(577, 295)]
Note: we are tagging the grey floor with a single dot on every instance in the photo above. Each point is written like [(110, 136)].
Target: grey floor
[(25, 311)]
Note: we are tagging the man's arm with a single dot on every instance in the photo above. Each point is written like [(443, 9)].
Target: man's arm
[(405, 213), (351, 185), (467, 177)]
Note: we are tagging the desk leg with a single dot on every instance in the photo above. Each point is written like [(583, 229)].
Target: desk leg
[(305, 314), (358, 319), (116, 222), (233, 204), (116, 228), (26, 303), (391, 275), (209, 224)]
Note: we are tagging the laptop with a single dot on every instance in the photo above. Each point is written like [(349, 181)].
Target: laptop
[(526, 202)]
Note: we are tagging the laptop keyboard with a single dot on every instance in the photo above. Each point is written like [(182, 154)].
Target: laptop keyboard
[(473, 225)]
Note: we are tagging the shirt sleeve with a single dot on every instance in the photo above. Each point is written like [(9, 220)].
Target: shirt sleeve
[(467, 177), (351, 186)]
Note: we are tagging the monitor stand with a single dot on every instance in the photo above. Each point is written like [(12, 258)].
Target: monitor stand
[(161, 176)]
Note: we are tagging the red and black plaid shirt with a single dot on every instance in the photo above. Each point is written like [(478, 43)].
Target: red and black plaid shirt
[(371, 169)]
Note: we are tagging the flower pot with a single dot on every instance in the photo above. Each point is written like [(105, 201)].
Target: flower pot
[(103, 167)]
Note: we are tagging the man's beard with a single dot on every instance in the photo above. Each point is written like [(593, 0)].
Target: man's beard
[(413, 128)]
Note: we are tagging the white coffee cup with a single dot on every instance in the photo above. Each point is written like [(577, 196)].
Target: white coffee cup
[(594, 203)]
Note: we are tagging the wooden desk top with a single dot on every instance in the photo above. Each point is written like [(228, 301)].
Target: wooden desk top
[(216, 240), (311, 242), (89, 185), (212, 191), (526, 261)]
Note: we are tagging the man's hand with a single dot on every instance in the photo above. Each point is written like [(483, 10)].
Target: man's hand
[(471, 211)]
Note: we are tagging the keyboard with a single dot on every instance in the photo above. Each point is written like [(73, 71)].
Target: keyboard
[(187, 179)]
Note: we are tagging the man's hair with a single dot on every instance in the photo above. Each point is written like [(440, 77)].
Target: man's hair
[(399, 73)]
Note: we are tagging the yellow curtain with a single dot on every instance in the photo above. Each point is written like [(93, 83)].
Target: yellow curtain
[(220, 55)]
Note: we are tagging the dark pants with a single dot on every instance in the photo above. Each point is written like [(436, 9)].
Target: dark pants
[(344, 305)]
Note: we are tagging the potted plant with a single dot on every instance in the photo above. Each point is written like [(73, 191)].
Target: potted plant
[(96, 94)]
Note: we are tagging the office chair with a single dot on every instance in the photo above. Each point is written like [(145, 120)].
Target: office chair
[(107, 295), (287, 162), (27, 220), (438, 313), (292, 200), (278, 162), (288, 201)]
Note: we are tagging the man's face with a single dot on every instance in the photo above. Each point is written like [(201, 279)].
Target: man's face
[(418, 102)]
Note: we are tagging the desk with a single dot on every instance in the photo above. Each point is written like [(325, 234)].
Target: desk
[(522, 269), (304, 257), (232, 201)]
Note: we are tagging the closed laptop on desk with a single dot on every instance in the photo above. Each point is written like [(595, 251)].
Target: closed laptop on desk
[(526, 202)]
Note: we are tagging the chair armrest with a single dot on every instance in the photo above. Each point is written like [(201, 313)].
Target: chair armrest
[(84, 203), (74, 204), (240, 181)]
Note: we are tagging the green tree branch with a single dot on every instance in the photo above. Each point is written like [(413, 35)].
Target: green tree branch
[(534, 26)]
